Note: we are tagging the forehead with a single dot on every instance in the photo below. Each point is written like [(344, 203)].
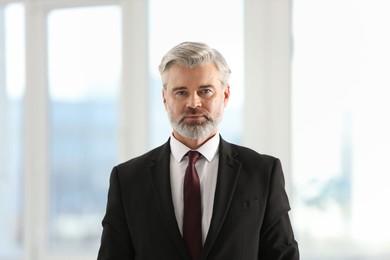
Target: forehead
[(181, 74)]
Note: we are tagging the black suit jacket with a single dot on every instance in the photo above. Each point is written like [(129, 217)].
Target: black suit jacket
[(250, 215)]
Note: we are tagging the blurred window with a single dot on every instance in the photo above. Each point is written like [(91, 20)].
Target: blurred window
[(84, 50), (341, 126), (12, 85), (174, 21)]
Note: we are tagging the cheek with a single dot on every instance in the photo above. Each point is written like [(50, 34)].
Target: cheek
[(214, 108), (219, 105), (172, 107)]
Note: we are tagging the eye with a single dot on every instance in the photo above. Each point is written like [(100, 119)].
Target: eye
[(181, 93), (205, 91)]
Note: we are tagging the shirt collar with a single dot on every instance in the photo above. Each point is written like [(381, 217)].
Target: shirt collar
[(208, 149)]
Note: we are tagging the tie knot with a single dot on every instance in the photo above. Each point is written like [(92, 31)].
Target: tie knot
[(193, 156)]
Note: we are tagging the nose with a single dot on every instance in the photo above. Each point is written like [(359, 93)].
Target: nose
[(194, 101)]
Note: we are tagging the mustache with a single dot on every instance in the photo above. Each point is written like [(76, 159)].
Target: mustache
[(195, 111)]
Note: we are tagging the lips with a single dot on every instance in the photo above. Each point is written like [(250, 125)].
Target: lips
[(194, 117)]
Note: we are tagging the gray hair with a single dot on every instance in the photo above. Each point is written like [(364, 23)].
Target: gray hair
[(193, 54)]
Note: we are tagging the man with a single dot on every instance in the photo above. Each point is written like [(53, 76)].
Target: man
[(197, 196)]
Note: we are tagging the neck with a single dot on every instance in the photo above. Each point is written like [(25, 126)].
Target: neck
[(193, 143)]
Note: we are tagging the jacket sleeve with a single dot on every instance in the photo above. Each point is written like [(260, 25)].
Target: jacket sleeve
[(116, 242), (277, 240)]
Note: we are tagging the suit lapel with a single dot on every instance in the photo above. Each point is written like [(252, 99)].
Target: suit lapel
[(228, 172), (161, 182)]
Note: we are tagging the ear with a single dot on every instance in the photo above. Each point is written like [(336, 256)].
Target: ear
[(163, 92), (226, 94)]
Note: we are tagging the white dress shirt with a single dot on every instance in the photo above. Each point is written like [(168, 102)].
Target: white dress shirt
[(207, 169)]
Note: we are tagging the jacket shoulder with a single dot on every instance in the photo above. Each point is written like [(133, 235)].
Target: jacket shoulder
[(146, 158), (248, 155)]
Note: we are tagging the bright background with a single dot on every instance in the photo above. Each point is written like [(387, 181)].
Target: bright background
[(80, 92)]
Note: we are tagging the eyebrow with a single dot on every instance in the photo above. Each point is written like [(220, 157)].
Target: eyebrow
[(185, 88), (178, 88), (206, 86)]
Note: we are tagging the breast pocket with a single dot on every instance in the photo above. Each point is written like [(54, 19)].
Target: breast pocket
[(241, 205)]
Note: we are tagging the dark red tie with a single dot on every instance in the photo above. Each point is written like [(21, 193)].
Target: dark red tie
[(192, 220)]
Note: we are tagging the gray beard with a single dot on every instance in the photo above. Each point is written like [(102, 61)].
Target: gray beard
[(197, 130)]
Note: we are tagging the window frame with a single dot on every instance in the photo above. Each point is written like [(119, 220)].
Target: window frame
[(36, 104), (266, 77)]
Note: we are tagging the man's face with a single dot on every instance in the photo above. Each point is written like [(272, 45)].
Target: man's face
[(195, 100)]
